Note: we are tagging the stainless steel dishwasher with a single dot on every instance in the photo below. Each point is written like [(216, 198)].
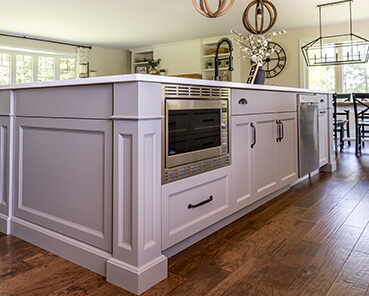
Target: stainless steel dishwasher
[(308, 126)]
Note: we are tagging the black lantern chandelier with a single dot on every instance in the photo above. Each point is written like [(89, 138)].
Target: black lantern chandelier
[(336, 49)]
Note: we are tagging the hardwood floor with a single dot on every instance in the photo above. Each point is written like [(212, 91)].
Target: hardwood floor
[(311, 240)]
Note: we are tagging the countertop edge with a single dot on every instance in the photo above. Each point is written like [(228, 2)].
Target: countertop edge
[(156, 79)]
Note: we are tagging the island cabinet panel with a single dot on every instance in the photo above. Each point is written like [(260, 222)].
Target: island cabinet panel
[(264, 158), (5, 102), (193, 204), (64, 177), (287, 151), (264, 146), (323, 131), (4, 171), (89, 102), (242, 137), (253, 101)]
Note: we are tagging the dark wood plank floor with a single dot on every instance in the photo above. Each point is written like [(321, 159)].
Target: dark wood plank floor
[(311, 240)]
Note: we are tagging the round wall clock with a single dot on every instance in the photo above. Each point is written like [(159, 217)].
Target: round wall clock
[(275, 62)]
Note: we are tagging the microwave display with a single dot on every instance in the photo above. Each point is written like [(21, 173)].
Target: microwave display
[(192, 130)]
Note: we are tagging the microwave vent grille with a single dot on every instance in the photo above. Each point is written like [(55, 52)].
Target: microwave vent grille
[(171, 90), (185, 171)]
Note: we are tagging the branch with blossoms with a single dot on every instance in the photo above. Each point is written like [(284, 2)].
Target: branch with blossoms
[(256, 46)]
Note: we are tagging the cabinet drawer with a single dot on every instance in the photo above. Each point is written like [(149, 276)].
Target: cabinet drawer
[(252, 102), (193, 204)]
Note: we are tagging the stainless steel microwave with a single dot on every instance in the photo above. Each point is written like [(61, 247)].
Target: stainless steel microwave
[(195, 131)]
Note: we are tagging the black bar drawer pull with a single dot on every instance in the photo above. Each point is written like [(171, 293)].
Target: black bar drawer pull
[(254, 135), (201, 203)]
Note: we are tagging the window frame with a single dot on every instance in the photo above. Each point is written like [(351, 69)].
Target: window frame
[(35, 53)]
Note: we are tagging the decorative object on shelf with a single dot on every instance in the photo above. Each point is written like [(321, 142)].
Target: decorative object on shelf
[(221, 50), (205, 9), (260, 50), (93, 73), (153, 64), (260, 6), (336, 49), (142, 69), (209, 63), (275, 61), (225, 76), (162, 71)]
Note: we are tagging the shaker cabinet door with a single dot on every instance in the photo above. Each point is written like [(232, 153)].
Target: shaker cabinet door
[(287, 149), (242, 135), (264, 160)]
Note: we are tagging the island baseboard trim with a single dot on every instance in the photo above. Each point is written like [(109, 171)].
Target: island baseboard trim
[(4, 224), (71, 249), (136, 279)]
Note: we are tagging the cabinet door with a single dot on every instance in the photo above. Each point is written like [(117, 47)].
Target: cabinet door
[(323, 137), (264, 162), (287, 149), (241, 160)]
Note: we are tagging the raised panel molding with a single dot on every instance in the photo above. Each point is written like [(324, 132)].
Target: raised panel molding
[(124, 203), (63, 177), (137, 211), (3, 167)]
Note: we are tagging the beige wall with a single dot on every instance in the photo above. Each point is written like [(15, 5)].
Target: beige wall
[(104, 60), (290, 41), (110, 61)]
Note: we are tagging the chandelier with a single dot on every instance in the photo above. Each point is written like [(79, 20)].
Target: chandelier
[(339, 49), (205, 9)]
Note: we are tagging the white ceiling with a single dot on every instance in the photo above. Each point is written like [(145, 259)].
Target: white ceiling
[(125, 24)]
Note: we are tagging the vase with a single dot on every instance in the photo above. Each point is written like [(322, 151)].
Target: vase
[(154, 71), (260, 77)]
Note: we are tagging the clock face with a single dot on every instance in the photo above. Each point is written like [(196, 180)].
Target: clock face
[(275, 62)]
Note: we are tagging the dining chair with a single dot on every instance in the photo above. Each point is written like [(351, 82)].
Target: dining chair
[(361, 110), (341, 125)]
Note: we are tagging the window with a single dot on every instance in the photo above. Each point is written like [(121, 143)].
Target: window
[(67, 68), (340, 78), (322, 78), (19, 65), (355, 78), (24, 68), (46, 68), (4, 68)]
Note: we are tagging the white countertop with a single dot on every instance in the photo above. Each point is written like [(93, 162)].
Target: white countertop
[(158, 79)]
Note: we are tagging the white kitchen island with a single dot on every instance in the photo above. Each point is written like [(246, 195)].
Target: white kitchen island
[(81, 161)]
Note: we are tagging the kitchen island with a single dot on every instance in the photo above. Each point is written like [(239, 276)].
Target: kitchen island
[(81, 169)]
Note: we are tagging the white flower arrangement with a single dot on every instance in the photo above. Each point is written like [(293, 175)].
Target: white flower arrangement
[(256, 46)]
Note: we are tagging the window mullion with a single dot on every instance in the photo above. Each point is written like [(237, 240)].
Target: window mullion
[(13, 68)]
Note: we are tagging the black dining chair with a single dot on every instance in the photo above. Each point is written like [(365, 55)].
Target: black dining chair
[(341, 125), (361, 110)]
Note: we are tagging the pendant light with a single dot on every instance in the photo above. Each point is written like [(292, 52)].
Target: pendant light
[(338, 49), (205, 9), (260, 20)]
